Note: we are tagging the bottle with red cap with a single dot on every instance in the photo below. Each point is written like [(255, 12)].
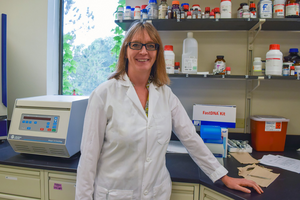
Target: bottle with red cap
[(217, 13), (274, 60), (252, 10), (177, 68), (207, 11), (169, 58)]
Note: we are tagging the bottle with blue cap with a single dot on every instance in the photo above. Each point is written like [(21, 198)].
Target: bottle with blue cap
[(127, 13), (152, 9), (294, 54)]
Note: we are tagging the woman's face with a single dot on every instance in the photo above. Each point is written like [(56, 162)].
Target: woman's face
[(141, 61)]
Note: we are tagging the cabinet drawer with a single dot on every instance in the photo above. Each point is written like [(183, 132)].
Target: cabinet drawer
[(209, 194), (16, 181), (186, 191), (12, 197), (61, 186)]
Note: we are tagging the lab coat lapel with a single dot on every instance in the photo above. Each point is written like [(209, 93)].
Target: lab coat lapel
[(153, 99), (132, 95)]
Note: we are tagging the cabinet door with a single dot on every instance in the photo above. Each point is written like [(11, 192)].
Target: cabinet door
[(62, 186), (20, 181), (209, 194), (186, 191)]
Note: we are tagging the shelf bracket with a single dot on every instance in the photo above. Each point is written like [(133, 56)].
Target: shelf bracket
[(258, 84), (255, 27)]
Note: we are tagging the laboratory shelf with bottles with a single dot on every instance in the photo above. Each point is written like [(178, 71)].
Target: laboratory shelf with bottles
[(239, 40)]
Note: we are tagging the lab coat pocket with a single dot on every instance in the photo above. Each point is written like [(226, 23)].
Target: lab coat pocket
[(163, 191), (103, 194), (120, 194)]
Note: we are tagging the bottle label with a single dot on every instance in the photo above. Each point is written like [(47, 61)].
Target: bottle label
[(137, 14), (257, 68), (217, 15), (220, 66), (246, 14), (169, 66), (189, 65), (279, 10), (292, 9), (240, 13), (266, 10), (285, 72), (162, 11), (225, 11), (253, 14)]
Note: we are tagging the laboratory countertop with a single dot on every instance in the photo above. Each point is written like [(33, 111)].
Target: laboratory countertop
[(181, 168)]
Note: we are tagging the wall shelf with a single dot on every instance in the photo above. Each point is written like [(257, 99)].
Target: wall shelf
[(266, 77), (233, 24)]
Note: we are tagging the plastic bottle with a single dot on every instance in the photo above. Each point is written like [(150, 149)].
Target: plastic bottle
[(285, 70), (212, 15), (189, 55), (177, 68), (246, 12), (292, 71), (240, 10), (132, 13), (137, 12), (274, 60), (265, 9), (252, 10), (189, 15), (175, 9), (120, 13), (152, 9), (257, 67), (228, 70), (144, 14), (127, 14), (278, 8), (294, 54), (217, 13), (207, 11), (162, 9), (292, 9), (225, 8), (169, 58), (220, 65), (142, 8)]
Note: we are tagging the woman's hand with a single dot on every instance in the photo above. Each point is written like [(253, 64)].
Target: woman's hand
[(241, 184)]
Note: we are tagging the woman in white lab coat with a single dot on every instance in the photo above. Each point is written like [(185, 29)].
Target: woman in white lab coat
[(128, 124)]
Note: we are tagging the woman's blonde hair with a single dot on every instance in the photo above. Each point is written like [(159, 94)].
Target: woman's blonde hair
[(158, 73)]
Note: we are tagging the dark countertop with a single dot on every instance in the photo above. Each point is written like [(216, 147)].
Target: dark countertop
[(181, 168)]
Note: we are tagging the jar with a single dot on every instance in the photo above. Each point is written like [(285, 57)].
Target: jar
[(240, 10), (246, 12), (292, 9), (162, 9), (285, 70), (207, 11), (177, 68), (217, 13), (127, 14), (175, 9), (220, 65), (257, 67)]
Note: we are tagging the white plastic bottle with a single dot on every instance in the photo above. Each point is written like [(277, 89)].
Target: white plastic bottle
[(257, 67), (225, 7), (127, 13), (265, 8), (278, 8), (189, 55), (274, 60), (137, 12), (169, 59)]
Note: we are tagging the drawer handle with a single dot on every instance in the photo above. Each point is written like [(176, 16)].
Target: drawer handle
[(11, 178)]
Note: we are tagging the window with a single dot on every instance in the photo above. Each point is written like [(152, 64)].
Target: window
[(87, 44)]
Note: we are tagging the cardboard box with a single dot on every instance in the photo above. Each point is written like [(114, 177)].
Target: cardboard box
[(215, 115)]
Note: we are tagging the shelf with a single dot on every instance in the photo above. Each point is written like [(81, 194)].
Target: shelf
[(233, 24), (268, 77)]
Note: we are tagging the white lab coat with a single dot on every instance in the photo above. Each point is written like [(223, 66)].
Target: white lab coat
[(123, 150)]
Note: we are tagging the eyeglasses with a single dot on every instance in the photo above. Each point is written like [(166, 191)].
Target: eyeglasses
[(139, 46)]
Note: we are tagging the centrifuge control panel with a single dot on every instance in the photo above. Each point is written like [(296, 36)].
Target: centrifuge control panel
[(41, 123)]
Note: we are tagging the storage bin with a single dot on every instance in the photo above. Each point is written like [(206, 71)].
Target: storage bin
[(268, 132)]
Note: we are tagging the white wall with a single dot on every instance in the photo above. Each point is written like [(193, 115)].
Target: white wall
[(32, 48)]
